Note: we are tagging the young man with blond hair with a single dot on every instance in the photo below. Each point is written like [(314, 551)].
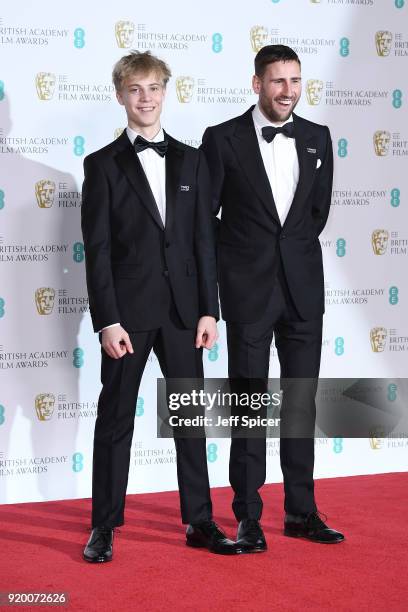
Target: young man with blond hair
[(151, 277)]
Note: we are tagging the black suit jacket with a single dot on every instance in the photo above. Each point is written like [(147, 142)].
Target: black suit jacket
[(130, 256), (251, 240)]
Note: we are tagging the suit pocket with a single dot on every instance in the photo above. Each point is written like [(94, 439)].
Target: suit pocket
[(191, 268)]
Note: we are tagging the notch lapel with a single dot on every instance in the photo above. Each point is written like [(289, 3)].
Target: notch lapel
[(174, 161), (246, 147), (132, 168), (307, 165)]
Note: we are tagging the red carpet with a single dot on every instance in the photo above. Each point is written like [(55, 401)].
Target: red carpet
[(154, 570)]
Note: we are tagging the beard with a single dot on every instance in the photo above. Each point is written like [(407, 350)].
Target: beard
[(274, 114)]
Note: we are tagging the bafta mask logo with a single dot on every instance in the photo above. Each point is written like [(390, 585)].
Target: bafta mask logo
[(45, 84), (378, 338), (44, 192), (44, 300), (314, 89), (383, 42), (381, 141), (124, 32), (379, 241), (259, 37), (185, 89), (377, 438), (44, 406), (118, 132)]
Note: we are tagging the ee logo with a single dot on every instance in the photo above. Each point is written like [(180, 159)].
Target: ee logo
[(344, 47), (140, 407), (78, 360), (212, 452), (392, 392), (78, 252), (342, 147), (79, 38), (77, 462), (216, 42), (213, 353), (79, 145), (339, 346), (397, 98), (340, 247), (395, 197), (393, 296)]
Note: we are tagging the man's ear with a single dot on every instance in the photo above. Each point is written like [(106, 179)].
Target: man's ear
[(256, 84), (119, 97)]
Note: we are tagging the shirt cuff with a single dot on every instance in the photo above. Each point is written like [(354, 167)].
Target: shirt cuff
[(107, 327)]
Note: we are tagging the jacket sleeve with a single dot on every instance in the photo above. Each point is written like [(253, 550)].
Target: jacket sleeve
[(322, 190), (215, 163), (204, 243), (96, 231)]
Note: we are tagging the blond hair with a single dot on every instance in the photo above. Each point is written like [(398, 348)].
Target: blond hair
[(136, 61)]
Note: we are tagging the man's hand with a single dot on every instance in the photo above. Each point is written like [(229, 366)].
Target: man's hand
[(207, 332), (116, 342)]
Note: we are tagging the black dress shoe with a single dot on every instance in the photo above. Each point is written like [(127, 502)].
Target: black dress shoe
[(250, 537), (208, 535), (99, 546), (311, 527)]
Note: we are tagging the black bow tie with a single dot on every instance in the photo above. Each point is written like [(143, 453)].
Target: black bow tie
[(141, 144), (269, 132)]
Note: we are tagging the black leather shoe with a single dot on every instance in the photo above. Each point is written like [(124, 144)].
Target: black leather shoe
[(99, 546), (311, 527), (208, 535), (250, 537)]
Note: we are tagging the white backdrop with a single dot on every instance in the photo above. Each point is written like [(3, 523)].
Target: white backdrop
[(57, 104)]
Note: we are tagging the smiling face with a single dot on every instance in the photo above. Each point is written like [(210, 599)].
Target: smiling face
[(142, 96), (279, 90)]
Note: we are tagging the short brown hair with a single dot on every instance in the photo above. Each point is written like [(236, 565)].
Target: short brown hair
[(273, 53), (137, 61)]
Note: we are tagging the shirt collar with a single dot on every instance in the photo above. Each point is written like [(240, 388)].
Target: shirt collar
[(132, 135), (261, 121)]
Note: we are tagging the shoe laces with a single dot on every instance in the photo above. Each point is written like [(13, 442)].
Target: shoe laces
[(252, 527), (211, 528), (102, 534), (316, 519)]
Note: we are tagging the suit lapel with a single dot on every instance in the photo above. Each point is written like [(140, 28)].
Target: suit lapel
[(132, 168), (174, 160), (306, 151), (246, 148)]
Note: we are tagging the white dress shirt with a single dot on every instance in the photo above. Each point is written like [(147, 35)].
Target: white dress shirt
[(154, 167), (281, 163)]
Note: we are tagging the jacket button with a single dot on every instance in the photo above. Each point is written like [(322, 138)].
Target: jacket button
[(167, 244), (165, 272), (283, 236)]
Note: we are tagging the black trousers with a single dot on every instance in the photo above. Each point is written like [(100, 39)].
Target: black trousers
[(298, 345), (175, 349)]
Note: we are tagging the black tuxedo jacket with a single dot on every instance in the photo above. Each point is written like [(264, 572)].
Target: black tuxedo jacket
[(250, 238), (130, 255)]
